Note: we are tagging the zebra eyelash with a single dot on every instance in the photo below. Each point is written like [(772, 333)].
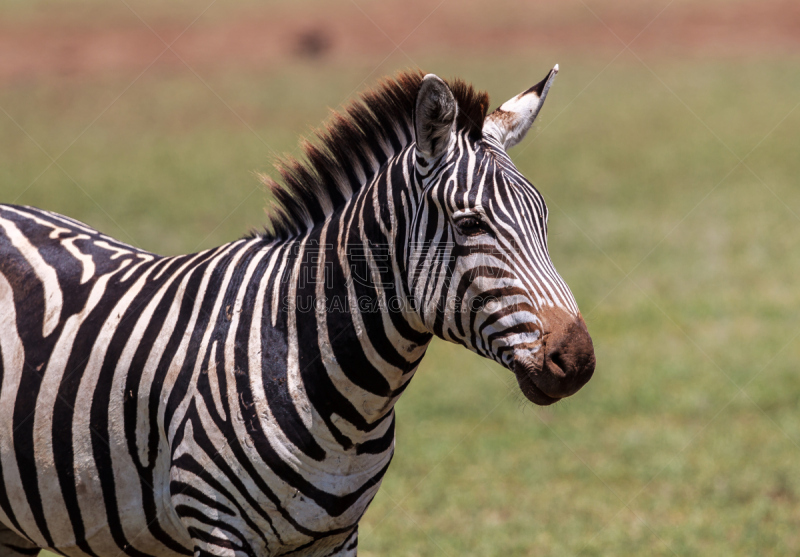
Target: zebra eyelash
[(471, 225)]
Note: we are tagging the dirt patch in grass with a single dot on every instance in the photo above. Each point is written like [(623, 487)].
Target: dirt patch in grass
[(90, 39)]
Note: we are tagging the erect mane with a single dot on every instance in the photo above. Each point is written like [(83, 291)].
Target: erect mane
[(353, 147)]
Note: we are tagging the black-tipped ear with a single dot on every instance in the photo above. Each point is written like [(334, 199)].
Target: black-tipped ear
[(509, 123), (434, 117)]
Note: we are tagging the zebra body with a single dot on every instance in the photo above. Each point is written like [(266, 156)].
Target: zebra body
[(163, 399), (239, 401)]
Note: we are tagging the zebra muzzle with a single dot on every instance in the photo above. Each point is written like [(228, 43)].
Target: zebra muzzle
[(564, 363)]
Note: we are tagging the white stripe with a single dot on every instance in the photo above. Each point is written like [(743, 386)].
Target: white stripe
[(53, 298)]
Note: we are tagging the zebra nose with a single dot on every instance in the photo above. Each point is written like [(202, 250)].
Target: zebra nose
[(568, 357)]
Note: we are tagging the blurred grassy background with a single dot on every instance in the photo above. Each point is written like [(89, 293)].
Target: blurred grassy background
[(671, 173)]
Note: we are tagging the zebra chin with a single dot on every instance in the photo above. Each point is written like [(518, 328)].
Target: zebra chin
[(526, 368), (558, 368)]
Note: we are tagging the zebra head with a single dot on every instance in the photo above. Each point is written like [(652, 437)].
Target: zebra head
[(479, 269)]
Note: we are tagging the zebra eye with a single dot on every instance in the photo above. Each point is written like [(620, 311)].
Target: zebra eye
[(470, 226)]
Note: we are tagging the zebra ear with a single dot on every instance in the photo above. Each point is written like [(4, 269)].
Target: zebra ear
[(434, 117), (509, 123)]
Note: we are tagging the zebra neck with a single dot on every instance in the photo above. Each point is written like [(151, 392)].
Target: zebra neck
[(356, 340)]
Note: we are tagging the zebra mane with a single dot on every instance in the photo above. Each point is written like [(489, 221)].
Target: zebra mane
[(352, 148)]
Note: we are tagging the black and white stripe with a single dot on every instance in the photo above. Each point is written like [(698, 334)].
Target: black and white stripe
[(239, 401)]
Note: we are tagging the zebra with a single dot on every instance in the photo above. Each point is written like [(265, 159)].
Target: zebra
[(239, 401)]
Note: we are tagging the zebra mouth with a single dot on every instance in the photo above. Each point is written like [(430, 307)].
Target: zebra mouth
[(525, 371)]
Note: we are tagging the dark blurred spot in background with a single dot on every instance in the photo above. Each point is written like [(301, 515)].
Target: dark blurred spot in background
[(313, 43)]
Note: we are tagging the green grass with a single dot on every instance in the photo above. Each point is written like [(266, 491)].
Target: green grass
[(683, 260)]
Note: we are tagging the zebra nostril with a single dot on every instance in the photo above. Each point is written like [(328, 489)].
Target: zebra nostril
[(569, 358), (555, 364)]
